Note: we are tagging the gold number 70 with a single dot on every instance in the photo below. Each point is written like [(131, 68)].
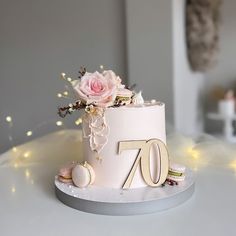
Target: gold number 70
[(143, 157)]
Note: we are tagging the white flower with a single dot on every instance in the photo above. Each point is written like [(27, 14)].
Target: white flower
[(138, 98), (96, 129)]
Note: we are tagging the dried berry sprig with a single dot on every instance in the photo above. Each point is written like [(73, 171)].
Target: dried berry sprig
[(63, 111), (82, 72), (170, 182)]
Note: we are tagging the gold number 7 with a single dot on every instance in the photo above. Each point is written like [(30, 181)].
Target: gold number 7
[(143, 157)]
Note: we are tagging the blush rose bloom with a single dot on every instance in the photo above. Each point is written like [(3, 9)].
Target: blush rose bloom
[(97, 88), (109, 74)]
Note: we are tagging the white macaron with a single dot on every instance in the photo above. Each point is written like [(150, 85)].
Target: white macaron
[(83, 175)]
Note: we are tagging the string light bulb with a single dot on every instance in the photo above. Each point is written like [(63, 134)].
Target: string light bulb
[(14, 149), (29, 133), (78, 121), (65, 93), (59, 123), (101, 67), (69, 79), (13, 189), (232, 165), (26, 154), (27, 173), (8, 119), (59, 95), (194, 153), (63, 75)]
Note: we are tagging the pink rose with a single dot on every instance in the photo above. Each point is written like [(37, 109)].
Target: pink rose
[(109, 74), (97, 89)]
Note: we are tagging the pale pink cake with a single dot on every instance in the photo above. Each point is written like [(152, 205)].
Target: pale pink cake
[(131, 122)]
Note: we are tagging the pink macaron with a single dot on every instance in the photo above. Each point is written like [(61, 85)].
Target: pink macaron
[(65, 173)]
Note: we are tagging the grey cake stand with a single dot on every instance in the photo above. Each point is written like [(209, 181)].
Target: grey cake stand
[(107, 201)]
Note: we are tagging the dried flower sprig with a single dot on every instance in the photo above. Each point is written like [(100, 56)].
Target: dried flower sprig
[(63, 111), (110, 81), (82, 72)]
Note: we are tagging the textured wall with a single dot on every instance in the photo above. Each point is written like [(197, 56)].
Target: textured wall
[(40, 39)]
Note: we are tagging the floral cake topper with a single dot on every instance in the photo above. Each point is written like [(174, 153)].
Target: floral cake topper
[(95, 92)]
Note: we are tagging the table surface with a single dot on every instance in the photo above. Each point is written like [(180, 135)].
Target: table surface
[(28, 204)]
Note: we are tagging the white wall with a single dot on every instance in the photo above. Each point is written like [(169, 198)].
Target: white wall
[(149, 45), (40, 39), (224, 74), (157, 60), (188, 86)]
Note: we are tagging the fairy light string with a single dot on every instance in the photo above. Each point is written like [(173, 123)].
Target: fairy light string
[(191, 151), (58, 123)]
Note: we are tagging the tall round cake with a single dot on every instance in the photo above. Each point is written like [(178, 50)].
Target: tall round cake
[(125, 166), (124, 137), (125, 123)]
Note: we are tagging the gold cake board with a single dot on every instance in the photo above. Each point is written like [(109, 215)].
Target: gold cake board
[(137, 201)]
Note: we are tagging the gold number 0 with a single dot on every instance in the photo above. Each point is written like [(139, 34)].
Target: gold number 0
[(143, 157)]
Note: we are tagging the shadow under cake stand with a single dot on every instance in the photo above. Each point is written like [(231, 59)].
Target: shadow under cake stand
[(108, 201)]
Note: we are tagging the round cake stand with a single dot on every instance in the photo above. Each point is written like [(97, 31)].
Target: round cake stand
[(107, 201)]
